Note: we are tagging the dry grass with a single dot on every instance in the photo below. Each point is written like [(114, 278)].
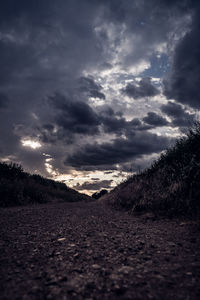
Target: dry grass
[(170, 185), (20, 188)]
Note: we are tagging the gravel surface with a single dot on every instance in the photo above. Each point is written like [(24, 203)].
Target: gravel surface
[(87, 251)]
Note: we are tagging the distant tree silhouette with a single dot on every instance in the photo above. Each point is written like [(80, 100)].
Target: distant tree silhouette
[(97, 195)]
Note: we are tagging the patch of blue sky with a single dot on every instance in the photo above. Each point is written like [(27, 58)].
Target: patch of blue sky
[(160, 66)]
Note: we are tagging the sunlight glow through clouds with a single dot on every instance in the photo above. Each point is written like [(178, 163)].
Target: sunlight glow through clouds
[(31, 144), (76, 178), (49, 167)]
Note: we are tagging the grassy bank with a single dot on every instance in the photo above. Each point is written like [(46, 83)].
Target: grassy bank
[(171, 185), (20, 188)]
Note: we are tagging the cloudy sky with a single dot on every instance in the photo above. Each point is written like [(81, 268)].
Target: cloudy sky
[(93, 90)]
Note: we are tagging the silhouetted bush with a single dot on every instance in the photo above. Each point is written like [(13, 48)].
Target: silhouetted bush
[(19, 188), (170, 185)]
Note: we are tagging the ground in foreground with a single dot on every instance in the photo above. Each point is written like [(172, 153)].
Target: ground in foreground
[(87, 251)]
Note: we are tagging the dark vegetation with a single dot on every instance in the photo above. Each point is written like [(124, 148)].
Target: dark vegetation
[(171, 185), (98, 195), (19, 188)]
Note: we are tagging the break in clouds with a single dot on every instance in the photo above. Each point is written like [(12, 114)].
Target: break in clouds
[(93, 90)]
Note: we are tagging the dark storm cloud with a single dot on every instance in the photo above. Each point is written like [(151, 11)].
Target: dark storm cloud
[(91, 88), (173, 110), (12, 10), (143, 89), (94, 186), (46, 45), (47, 41), (75, 116), (97, 94), (3, 100), (72, 117), (115, 122), (154, 119), (121, 150), (58, 39), (50, 134), (114, 125), (69, 120), (180, 117), (20, 22), (121, 126), (112, 122), (183, 82)]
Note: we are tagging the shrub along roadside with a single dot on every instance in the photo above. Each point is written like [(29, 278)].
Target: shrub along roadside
[(171, 185), (20, 188)]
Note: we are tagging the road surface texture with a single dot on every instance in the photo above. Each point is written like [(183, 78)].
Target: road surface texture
[(87, 251)]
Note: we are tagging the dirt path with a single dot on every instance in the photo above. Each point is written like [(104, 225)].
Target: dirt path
[(85, 251)]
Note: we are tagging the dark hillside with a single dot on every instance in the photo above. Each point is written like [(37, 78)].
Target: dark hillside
[(170, 185), (19, 188)]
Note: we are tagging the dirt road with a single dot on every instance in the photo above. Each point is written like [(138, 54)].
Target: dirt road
[(86, 251)]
